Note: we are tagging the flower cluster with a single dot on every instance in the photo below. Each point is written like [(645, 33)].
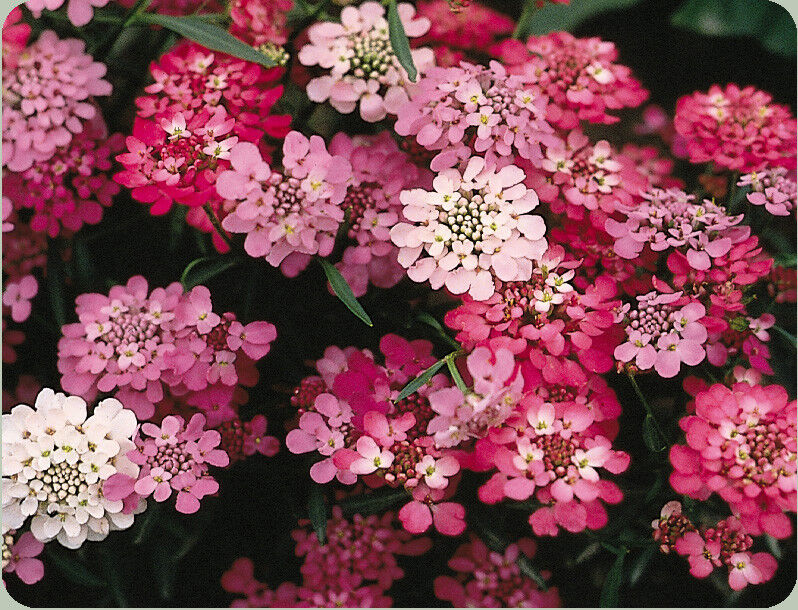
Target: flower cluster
[(363, 69), (470, 107), (139, 343), (173, 457), (47, 98), (726, 543), (578, 74), (741, 444), (487, 579), (775, 188), (740, 129), (354, 568), (260, 22), (20, 556), (474, 227), (352, 418), (57, 462), (71, 188), (79, 12), (372, 207), (288, 216), (242, 439)]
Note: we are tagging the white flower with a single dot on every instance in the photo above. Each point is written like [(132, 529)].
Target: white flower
[(55, 461)]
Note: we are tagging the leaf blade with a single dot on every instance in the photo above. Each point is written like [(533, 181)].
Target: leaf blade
[(419, 381), (200, 270), (208, 34), (317, 511), (610, 590), (344, 292), (651, 436), (399, 41)]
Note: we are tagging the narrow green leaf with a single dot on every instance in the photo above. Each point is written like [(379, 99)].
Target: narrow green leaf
[(110, 568), (788, 336), (773, 546), (72, 569), (589, 551), (530, 571), (651, 435), (208, 34), (458, 379), (399, 41), (317, 511), (344, 292), (200, 270), (610, 591), (430, 321), (640, 564), (146, 523), (419, 381), (655, 488), (374, 502), (496, 542), (564, 16)]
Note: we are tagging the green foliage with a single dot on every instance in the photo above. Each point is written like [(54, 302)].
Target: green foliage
[(399, 42), (553, 17), (344, 292)]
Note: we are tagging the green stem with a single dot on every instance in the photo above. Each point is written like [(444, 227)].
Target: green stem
[(529, 9), (646, 406), (216, 224)]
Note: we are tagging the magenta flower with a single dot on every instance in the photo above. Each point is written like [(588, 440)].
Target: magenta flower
[(363, 67), (79, 12), (371, 457), (741, 445), (579, 75), (740, 129), (703, 556), (775, 188)]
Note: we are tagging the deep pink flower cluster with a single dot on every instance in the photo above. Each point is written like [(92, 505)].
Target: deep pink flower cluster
[(741, 444), (351, 418), (189, 78), (48, 98), (363, 69), (553, 446), (475, 108), (724, 544), (487, 579), (288, 216), (455, 33), (354, 568), (775, 188), (380, 171), (545, 319), (15, 38), (579, 75), (739, 129), (71, 188), (139, 343), (174, 458), (577, 176), (20, 556), (259, 22)]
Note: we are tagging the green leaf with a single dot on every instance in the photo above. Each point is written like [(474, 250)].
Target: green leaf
[(374, 502), (766, 21), (610, 591), (499, 544), (110, 568), (655, 488), (146, 523), (208, 34), (419, 381), (565, 16), (640, 564), (786, 335), (317, 511), (399, 41), (343, 291), (71, 568), (651, 435), (200, 270), (530, 571), (458, 380)]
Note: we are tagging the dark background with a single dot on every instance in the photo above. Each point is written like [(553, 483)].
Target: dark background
[(180, 558)]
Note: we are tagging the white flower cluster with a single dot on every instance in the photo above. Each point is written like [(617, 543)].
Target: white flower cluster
[(55, 461)]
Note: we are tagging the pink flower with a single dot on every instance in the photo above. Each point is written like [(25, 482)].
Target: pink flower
[(466, 255), (259, 22), (435, 472), (740, 129), (418, 515), (703, 556), (18, 295), (473, 29), (439, 110), (48, 98), (79, 12), (15, 38), (775, 188), (363, 68), (371, 457), (287, 217), (22, 557), (740, 444), (372, 206), (578, 74), (191, 490)]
